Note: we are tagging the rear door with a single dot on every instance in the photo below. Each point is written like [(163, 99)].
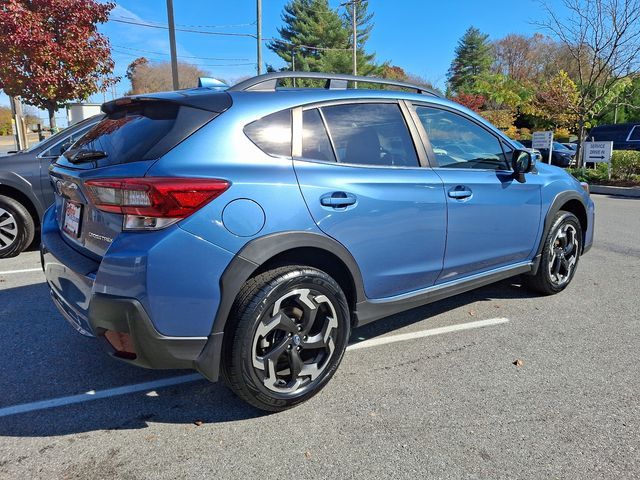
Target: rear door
[(493, 220), (364, 184)]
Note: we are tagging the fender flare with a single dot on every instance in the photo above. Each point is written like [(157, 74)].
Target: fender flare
[(259, 251), (245, 263), (558, 202)]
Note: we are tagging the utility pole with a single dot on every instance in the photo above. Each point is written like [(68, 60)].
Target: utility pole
[(293, 63), (18, 120), (355, 40), (259, 33), (172, 45)]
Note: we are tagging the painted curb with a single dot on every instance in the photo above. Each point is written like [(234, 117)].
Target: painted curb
[(618, 191)]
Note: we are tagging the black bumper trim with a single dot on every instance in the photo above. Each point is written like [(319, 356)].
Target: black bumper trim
[(153, 350)]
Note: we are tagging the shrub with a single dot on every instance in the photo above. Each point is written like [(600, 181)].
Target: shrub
[(625, 164), (590, 175)]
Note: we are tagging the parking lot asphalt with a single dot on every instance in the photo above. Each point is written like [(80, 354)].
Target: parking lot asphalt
[(452, 405)]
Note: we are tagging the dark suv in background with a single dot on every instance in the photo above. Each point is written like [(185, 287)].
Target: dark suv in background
[(25, 188), (625, 136)]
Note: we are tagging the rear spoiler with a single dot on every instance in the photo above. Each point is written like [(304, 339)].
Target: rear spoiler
[(203, 99)]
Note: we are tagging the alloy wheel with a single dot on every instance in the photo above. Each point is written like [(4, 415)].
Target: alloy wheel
[(293, 346), (564, 254), (8, 229)]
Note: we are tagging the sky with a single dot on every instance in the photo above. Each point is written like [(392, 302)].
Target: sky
[(418, 35)]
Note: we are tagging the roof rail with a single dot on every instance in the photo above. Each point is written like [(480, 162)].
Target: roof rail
[(269, 82)]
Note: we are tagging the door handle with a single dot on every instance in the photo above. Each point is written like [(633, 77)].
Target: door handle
[(338, 199), (460, 192)]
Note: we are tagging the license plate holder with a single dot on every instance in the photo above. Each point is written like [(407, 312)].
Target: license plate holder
[(72, 218)]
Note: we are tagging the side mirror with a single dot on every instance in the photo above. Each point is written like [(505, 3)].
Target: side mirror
[(522, 162)]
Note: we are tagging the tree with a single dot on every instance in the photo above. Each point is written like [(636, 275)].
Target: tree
[(311, 29), (52, 52), (473, 57), (5, 121), (625, 107), (316, 38), (146, 77), (557, 101), (603, 39), (471, 101)]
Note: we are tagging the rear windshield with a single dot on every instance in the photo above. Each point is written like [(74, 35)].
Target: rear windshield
[(139, 131), (128, 135)]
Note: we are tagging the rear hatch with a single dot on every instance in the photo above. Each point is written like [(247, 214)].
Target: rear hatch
[(120, 149)]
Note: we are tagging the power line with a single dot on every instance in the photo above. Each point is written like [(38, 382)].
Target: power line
[(197, 65), (181, 56), (309, 47), (236, 25), (165, 27)]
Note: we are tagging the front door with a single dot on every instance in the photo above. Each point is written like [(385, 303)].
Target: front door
[(493, 220), (364, 187)]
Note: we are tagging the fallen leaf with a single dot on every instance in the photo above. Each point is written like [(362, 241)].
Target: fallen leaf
[(307, 454), (518, 363), (373, 414), (496, 306), (198, 423), (472, 313)]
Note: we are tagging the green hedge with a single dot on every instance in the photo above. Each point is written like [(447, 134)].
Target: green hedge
[(625, 164)]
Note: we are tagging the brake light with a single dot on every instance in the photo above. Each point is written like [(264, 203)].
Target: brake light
[(151, 203)]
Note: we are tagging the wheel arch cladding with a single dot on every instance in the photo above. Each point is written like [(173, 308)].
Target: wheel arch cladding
[(569, 201), (267, 252), (578, 209), (278, 249)]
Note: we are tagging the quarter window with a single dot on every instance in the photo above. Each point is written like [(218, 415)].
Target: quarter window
[(634, 136), (272, 134), (460, 143), (370, 134)]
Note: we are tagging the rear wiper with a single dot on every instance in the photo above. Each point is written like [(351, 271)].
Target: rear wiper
[(79, 155)]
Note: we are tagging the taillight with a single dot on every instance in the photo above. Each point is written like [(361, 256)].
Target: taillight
[(151, 203)]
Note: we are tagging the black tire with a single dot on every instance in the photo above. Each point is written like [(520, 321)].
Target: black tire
[(260, 342), (559, 260), (16, 227)]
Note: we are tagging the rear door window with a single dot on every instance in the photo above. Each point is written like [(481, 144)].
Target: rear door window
[(272, 134), (370, 134), (59, 148), (315, 141)]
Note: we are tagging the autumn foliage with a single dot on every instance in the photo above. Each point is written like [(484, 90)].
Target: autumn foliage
[(51, 52)]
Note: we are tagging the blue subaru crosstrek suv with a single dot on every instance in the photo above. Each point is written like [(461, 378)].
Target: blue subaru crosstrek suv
[(245, 232)]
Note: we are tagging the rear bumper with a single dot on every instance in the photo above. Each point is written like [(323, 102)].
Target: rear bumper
[(94, 308), (152, 349)]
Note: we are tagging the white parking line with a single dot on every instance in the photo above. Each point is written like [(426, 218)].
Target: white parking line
[(93, 395), (403, 337), (166, 382), (26, 270)]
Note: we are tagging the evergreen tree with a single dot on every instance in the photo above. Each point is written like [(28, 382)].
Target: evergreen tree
[(317, 38), (311, 29), (473, 58)]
